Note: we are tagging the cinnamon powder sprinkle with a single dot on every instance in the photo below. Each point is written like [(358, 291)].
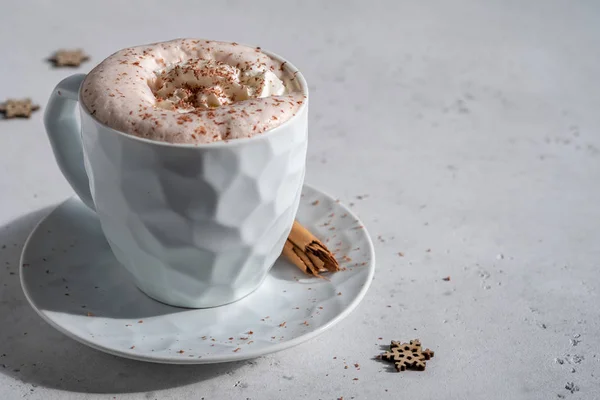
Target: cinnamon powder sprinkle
[(152, 128)]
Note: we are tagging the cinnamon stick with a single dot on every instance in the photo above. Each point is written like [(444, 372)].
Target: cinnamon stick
[(307, 252)]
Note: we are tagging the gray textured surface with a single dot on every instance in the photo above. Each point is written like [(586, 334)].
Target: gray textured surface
[(472, 128)]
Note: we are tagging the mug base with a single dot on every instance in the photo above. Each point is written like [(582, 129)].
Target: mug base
[(199, 304)]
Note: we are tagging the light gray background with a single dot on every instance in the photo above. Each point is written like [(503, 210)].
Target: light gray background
[(472, 127)]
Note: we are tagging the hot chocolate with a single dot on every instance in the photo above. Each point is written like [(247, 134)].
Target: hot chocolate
[(192, 91)]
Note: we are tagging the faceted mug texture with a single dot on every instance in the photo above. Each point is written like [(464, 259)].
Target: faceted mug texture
[(196, 226)]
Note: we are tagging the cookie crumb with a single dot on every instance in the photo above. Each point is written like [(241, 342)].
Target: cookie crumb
[(13, 108), (69, 58)]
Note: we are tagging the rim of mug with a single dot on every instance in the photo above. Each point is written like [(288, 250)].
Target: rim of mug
[(221, 143)]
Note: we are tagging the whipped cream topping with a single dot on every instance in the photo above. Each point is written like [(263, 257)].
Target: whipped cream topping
[(208, 84), (193, 91)]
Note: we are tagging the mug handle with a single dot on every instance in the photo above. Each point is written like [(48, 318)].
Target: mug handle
[(64, 133)]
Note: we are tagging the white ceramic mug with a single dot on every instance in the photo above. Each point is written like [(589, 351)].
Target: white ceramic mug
[(195, 225)]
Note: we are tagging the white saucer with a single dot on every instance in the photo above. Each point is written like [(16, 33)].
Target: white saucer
[(73, 281)]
